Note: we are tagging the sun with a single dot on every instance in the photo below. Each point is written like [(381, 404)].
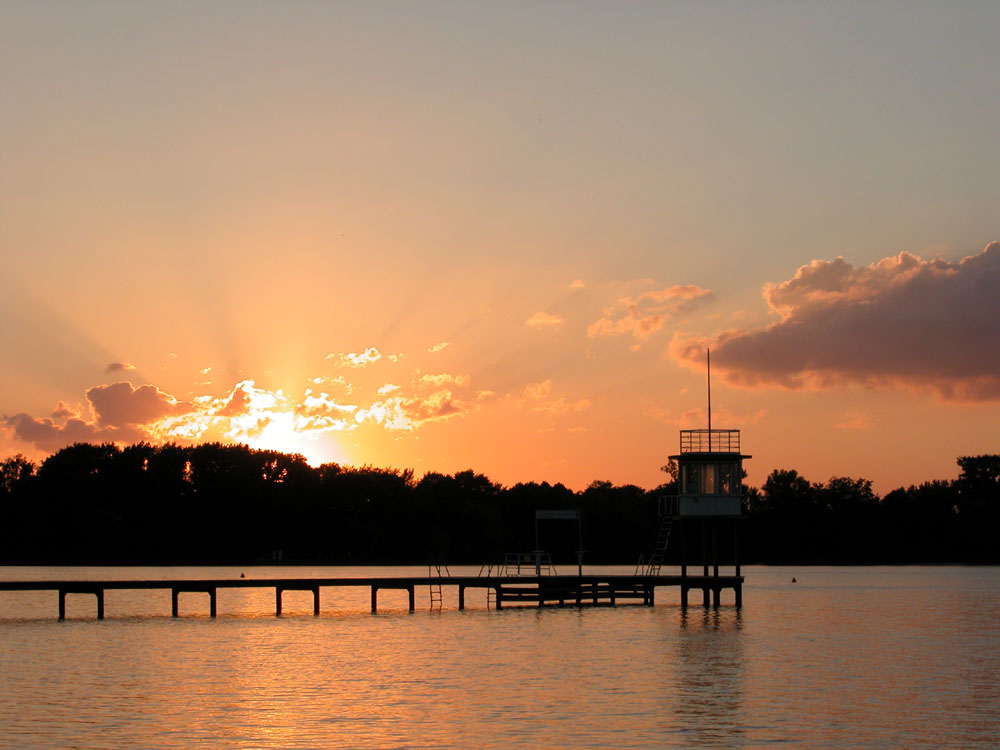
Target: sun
[(281, 432)]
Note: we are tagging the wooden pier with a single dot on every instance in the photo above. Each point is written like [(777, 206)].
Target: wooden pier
[(581, 590)]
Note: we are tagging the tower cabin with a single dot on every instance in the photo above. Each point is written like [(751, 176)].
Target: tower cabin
[(709, 475), (709, 496)]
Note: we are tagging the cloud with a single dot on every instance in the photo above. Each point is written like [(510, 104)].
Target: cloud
[(439, 346), (578, 284), (322, 405), (121, 404), (443, 378), (407, 413), (238, 402), (120, 412), (118, 367), (536, 398), (64, 411), (340, 383), (402, 413), (536, 391), (544, 320), (46, 435), (902, 321), (361, 359), (648, 313)]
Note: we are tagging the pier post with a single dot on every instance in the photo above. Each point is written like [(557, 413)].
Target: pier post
[(211, 602), (173, 601), (705, 597), (704, 553), (461, 598), (738, 590), (374, 598), (316, 601), (684, 567), (100, 603), (277, 601), (684, 596), (715, 550), (716, 596), (499, 601), (413, 600), (62, 604), (736, 546)]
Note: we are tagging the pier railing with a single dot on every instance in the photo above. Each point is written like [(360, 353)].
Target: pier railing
[(710, 441)]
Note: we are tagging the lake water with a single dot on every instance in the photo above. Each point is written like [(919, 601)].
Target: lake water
[(846, 657)]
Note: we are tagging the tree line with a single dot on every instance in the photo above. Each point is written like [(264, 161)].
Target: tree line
[(216, 503)]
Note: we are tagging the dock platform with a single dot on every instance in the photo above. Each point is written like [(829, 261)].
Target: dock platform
[(555, 590)]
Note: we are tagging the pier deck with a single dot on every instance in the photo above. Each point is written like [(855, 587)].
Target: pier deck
[(539, 590)]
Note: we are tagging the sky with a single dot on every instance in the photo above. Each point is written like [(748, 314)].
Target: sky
[(502, 236)]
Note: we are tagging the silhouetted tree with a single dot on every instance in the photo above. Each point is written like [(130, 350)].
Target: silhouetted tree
[(214, 503)]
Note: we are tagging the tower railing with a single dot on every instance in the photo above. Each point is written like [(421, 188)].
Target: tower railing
[(710, 441)]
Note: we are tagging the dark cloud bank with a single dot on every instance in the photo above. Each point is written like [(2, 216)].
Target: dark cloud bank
[(902, 321)]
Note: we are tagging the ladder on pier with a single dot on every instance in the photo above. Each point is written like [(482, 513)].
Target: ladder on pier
[(660, 550), (439, 570), (491, 570)]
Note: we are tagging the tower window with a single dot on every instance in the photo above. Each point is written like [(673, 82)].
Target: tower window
[(726, 479)]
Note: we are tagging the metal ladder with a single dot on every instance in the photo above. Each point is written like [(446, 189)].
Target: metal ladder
[(436, 597), (660, 551), (489, 570)]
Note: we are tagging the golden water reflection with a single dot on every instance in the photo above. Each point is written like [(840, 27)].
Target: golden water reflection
[(844, 658)]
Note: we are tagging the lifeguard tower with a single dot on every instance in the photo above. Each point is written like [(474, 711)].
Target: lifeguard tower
[(710, 500)]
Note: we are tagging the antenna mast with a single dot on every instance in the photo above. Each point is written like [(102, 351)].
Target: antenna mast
[(709, 357)]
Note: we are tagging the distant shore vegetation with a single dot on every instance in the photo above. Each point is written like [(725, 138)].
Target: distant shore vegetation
[(230, 504)]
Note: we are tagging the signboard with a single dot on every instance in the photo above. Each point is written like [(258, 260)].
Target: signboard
[(557, 515)]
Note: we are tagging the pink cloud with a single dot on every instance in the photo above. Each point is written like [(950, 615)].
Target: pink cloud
[(46, 435), (901, 321), (238, 402), (648, 313), (120, 412), (121, 404), (63, 411)]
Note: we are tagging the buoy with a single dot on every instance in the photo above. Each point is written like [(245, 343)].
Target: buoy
[(793, 580), (243, 575)]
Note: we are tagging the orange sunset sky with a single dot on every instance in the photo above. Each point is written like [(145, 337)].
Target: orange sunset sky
[(500, 236)]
